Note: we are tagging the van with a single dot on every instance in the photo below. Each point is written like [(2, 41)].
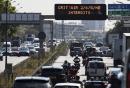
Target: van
[(96, 69), (31, 82)]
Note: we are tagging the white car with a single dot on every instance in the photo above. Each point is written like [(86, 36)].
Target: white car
[(24, 51), (96, 69), (68, 85), (31, 82)]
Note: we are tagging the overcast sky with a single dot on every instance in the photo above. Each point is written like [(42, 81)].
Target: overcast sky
[(46, 7)]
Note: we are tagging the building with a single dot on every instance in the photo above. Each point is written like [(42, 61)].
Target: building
[(93, 24), (71, 31)]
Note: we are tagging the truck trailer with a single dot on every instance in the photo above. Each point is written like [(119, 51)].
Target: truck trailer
[(126, 44)]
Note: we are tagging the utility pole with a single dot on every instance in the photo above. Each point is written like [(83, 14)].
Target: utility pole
[(6, 32), (63, 31)]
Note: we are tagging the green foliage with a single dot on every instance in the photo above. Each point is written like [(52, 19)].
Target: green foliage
[(118, 29), (28, 66), (11, 28)]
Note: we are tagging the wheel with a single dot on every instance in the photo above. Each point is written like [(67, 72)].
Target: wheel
[(88, 77)]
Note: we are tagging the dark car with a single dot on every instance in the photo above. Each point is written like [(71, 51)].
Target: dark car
[(15, 51), (24, 51), (55, 74), (76, 51), (95, 84)]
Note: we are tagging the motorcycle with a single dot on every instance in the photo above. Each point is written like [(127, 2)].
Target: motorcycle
[(77, 65)]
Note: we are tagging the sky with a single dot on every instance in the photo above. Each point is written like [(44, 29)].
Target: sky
[(46, 7)]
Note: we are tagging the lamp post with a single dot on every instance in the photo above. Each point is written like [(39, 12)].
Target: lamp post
[(6, 33)]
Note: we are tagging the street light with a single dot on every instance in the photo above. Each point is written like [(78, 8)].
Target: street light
[(6, 29)]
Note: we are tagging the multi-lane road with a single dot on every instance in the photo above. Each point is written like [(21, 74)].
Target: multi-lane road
[(15, 60), (107, 60)]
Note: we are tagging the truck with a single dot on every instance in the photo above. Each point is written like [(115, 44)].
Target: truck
[(117, 51), (126, 44)]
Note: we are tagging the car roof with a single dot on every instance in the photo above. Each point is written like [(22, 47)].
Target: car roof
[(95, 61), (32, 78), (114, 69), (52, 67), (68, 84), (97, 81), (94, 57)]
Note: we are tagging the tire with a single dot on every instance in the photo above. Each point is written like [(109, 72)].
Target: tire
[(88, 77)]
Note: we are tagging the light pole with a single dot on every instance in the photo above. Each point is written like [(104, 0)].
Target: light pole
[(6, 33)]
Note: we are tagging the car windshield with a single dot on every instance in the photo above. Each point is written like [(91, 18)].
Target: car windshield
[(98, 59), (30, 84), (94, 84), (97, 65), (36, 41), (8, 45), (51, 72), (30, 39), (15, 49), (31, 47), (23, 48), (77, 49), (66, 87)]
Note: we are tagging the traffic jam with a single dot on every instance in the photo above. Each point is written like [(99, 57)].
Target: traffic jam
[(87, 56)]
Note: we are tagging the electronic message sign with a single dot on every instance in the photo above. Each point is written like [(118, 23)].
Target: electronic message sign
[(80, 12)]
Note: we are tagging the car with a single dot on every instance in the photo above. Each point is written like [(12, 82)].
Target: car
[(32, 50), (93, 58), (1, 56), (68, 85), (56, 74), (96, 69), (113, 70), (95, 84), (9, 51), (24, 51), (15, 51), (31, 82), (76, 51)]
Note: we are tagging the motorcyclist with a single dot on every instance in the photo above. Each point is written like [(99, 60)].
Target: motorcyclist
[(76, 59), (66, 64)]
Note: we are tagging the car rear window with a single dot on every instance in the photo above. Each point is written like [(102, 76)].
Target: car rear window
[(51, 72), (98, 59), (30, 84), (94, 84), (66, 87), (97, 65)]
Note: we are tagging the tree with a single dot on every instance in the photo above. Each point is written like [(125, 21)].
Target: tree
[(118, 29), (11, 28)]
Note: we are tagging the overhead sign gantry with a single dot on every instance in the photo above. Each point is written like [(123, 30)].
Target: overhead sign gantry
[(119, 11), (80, 12)]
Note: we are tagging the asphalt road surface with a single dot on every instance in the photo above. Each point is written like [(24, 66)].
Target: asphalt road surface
[(61, 59)]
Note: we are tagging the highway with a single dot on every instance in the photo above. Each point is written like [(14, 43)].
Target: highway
[(11, 59), (61, 59), (15, 60)]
